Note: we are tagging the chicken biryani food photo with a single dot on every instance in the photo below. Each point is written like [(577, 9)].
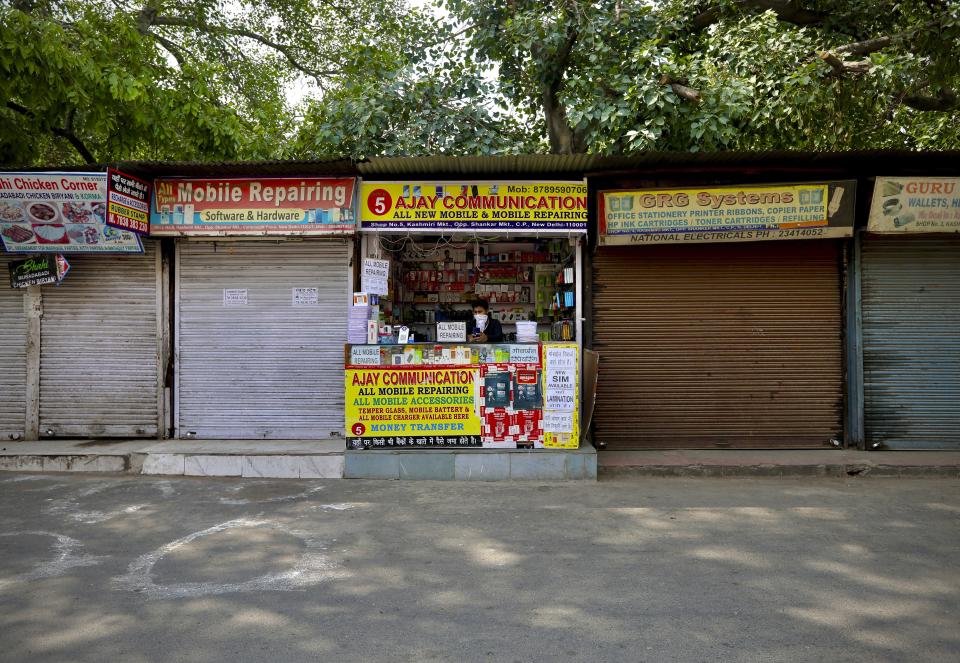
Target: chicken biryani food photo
[(10, 212)]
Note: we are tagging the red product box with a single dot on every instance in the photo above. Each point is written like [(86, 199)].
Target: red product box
[(529, 423), (497, 424)]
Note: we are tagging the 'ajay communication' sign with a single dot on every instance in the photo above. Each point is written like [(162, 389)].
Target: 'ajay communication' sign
[(469, 206)]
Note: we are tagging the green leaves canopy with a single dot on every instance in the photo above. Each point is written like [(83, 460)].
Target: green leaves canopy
[(107, 80), (104, 80), (616, 76)]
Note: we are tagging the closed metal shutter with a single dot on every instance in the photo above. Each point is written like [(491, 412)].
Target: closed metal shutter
[(13, 356), (718, 345), (911, 341), (264, 369), (99, 348)]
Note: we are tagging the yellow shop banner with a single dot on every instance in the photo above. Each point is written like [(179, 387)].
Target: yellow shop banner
[(469, 206), (728, 214), (410, 403)]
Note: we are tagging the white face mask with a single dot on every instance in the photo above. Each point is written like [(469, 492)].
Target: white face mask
[(481, 319)]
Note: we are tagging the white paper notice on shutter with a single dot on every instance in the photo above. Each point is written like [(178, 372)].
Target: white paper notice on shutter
[(306, 297), (234, 296)]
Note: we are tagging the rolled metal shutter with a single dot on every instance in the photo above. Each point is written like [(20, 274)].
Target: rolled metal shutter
[(267, 369), (99, 348), (13, 356), (718, 345), (911, 341)]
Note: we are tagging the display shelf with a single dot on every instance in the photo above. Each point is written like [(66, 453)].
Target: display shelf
[(533, 264), (492, 304), (507, 283)]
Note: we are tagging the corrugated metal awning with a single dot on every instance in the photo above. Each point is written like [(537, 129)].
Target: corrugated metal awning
[(574, 166)]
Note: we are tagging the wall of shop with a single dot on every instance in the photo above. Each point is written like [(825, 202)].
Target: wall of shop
[(717, 313)]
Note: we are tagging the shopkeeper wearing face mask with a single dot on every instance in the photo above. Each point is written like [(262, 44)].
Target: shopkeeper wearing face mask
[(485, 329)]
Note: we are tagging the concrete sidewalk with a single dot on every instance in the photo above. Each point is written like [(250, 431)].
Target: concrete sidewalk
[(325, 459), (296, 459), (780, 463), (280, 459)]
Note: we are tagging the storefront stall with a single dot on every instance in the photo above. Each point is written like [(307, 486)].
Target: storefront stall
[(84, 352), (909, 262), (459, 395), (263, 266), (465, 331), (717, 316)]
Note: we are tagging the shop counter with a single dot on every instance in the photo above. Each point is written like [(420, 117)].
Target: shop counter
[(491, 395)]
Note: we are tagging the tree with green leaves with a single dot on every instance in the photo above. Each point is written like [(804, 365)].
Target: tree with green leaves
[(618, 76), (105, 80)]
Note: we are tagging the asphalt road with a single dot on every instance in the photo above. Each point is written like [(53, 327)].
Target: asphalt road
[(137, 569)]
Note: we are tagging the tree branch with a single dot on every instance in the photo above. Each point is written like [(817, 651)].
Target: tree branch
[(681, 90), (563, 139), (788, 11), (286, 51), (868, 46), (170, 47), (685, 92), (946, 101), (843, 67), (60, 132)]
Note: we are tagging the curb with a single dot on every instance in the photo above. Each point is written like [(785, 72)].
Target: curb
[(837, 471)]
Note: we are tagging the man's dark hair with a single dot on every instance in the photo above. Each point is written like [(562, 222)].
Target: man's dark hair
[(480, 302)]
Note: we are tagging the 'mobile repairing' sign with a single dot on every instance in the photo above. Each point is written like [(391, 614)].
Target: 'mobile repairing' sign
[(816, 210), (252, 206), (374, 276)]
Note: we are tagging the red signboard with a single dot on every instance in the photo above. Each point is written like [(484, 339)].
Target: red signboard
[(259, 206), (128, 202)]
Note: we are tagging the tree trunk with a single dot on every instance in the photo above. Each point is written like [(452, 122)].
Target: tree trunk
[(558, 127)]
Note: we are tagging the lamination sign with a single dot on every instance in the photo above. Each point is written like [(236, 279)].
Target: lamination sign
[(472, 206), (915, 205), (252, 206), (818, 210)]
